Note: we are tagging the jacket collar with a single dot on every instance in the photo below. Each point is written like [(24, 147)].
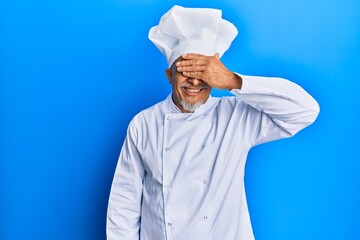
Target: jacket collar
[(171, 108)]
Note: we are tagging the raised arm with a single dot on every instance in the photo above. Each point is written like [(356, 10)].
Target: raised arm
[(279, 108)]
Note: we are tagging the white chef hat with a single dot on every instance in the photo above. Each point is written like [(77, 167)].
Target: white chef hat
[(192, 30)]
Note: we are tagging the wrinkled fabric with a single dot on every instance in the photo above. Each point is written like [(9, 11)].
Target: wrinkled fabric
[(180, 176), (192, 30)]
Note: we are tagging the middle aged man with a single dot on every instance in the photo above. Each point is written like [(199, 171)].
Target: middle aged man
[(180, 174)]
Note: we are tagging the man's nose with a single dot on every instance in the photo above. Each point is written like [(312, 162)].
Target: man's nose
[(195, 81)]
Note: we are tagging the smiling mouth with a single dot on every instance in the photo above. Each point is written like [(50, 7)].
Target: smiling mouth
[(193, 90)]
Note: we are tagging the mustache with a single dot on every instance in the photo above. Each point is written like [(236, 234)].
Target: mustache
[(200, 85)]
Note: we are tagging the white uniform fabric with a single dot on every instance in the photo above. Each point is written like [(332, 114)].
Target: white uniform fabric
[(180, 176)]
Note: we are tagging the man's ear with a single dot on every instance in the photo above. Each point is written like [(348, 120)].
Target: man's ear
[(169, 74)]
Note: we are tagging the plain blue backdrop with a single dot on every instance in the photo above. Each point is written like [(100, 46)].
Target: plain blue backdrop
[(73, 73)]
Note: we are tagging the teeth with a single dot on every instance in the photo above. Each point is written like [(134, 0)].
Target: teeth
[(193, 90)]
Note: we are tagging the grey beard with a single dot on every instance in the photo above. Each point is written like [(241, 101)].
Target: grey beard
[(190, 107)]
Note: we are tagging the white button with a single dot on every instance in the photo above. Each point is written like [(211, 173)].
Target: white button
[(204, 181), (169, 224), (167, 149), (166, 186), (168, 117), (205, 217)]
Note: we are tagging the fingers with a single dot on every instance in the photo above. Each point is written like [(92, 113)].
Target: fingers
[(196, 56), (191, 68), (198, 75), (192, 62), (191, 59), (192, 56), (198, 66)]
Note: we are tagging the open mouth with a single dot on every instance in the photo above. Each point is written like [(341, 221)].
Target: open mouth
[(193, 90)]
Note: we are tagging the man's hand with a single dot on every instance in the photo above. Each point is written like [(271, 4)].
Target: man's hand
[(209, 69)]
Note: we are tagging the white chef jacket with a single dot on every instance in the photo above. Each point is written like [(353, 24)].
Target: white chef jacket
[(180, 176)]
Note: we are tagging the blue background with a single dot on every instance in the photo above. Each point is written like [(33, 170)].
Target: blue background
[(73, 73)]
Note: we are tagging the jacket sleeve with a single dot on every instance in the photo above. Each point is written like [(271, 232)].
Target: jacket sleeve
[(124, 207), (278, 108)]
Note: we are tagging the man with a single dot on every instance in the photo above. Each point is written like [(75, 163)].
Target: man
[(180, 174)]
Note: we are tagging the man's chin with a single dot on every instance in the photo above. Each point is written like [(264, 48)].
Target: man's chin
[(191, 106)]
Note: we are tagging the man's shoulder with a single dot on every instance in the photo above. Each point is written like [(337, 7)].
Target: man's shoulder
[(149, 113)]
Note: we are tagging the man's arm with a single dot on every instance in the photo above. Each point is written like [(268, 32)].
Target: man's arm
[(123, 216), (279, 108), (282, 107)]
